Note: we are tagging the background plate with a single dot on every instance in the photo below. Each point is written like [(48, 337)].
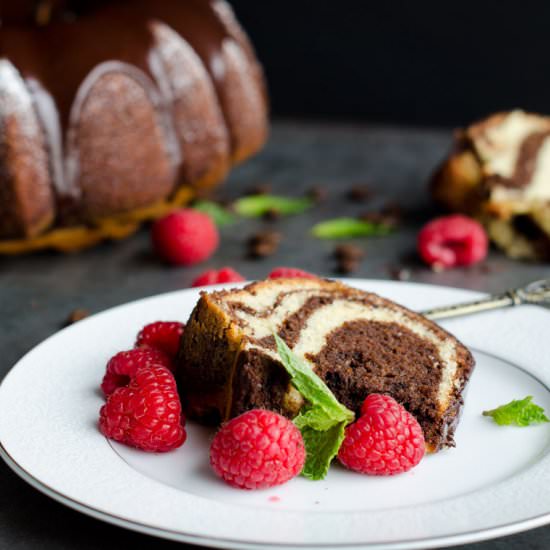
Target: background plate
[(494, 483)]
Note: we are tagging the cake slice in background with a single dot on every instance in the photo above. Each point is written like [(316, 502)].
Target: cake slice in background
[(357, 342), (499, 172)]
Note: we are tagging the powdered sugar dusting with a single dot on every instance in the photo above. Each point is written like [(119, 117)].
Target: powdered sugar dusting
[(97, 103), (177, 53), (225, 13), (16, 101), (227, 17), (48, 116), (233, 51), (188, 90), (182, 77), (243, 88)]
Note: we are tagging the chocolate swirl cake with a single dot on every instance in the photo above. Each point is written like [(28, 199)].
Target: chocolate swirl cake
[(118, 113), (357, 342), (499, 171)]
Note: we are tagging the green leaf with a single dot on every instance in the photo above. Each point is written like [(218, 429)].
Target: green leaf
[(219, 214), (312, 388), (347, 228), (255, 206), (519, 412), (322, 421), (314, 417), (321, 448)]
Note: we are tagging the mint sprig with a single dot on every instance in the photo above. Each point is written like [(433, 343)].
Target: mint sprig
[(219, 214), (321, 448), (255, 206), (322, 421), (348, 228), (519, 412)]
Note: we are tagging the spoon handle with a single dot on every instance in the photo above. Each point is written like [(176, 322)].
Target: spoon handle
[(537, 292), (496, 301)]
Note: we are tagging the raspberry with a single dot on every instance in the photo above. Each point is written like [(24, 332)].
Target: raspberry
[(122, 367), (162, 335), (185, 237), (147, 413), (258, 449), (290, 273), (385, 440), (452, 241), (214, 277)]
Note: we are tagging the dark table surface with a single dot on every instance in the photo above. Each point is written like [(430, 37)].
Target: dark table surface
[(37, 293)]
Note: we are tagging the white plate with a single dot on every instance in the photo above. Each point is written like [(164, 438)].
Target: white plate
[(496, 482)]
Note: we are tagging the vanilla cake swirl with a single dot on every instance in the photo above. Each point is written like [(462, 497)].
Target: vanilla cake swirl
[(357, 342)]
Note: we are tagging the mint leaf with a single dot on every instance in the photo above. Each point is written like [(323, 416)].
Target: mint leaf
[(346, 228), (519, 412), (312, 388), (218, 213), (322, 421), (255, 206), (315, 418), (321, 448)]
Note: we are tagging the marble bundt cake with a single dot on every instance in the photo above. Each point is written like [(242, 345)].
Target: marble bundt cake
[(357, 342), (118, 113), (499, 171)]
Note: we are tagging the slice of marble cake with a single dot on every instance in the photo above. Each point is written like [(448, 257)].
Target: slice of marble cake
[(357, 342)]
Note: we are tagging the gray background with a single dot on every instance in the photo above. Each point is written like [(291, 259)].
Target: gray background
[(38, 292)]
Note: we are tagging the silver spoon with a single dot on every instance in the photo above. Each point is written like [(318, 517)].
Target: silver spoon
[(537, 292)]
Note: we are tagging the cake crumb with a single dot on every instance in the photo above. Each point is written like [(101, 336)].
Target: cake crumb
[(317, 193), (347, 265), (274, 498), (263, 244), (393, 211), (348, 252), (259, 189), (359, 193), (386, 216), (348, 257), (272, 215), (76, 315)]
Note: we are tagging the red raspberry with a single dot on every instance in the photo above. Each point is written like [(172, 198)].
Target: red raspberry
[(452, 241), (258, 449), (147, 413), (386, 440), (185, 237), (122, 367), (290, 273), (214, 277), (163, 335)]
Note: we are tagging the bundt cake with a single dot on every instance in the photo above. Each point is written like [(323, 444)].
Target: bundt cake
[(357, 342), (114, 112), (499, 171)]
